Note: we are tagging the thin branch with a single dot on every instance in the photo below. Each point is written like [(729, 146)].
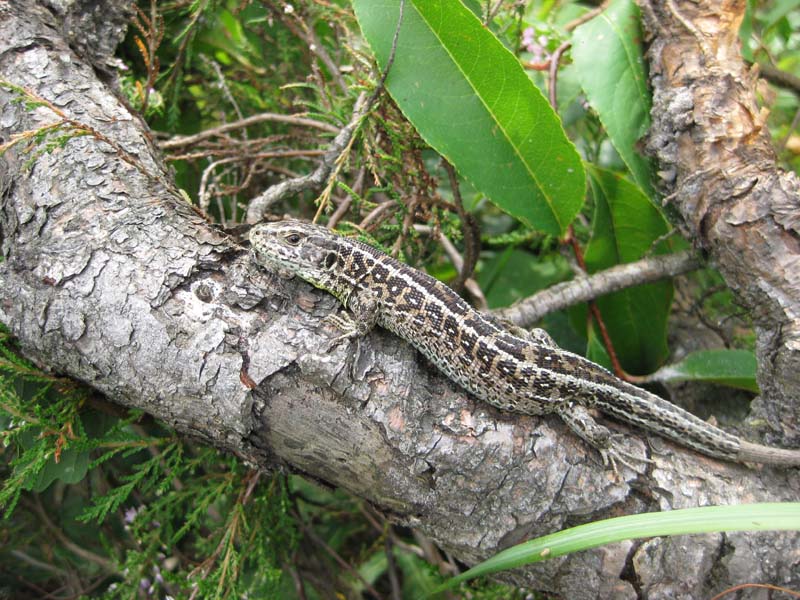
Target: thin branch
[(334, 156), (469, 228), (309, 531), (297, 26), (187, 140), (792, 127), (34, 562), (376, 214), (594, 311), (223, 85), (554, 60), (470, 284), (344, 205), (204, 196), (491, 12), (780, 77), (562, 295), (104, 563), (587, 16), (316, 179)]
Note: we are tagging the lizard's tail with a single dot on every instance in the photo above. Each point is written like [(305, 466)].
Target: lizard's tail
[(749, 452), (640, 407)]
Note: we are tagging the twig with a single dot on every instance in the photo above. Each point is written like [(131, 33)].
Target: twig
[(594, 310), (187, 140), (277, 192), (299, 588), (792, 127), (491, 11), (152, 30), (376, 213), (35, 562), (334, 156), (562, 295), (469, 228), (344, 206), (104, 563), (204, 199), (762, 586), (307, 529), (226, 91), (298, 27), (781, 78), (554, 60), (391, 565), (588, 16), (470, 284), (408, 221)]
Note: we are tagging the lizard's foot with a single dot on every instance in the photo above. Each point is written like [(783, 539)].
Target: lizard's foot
[(614, 453), (346, 324), (583, 424)]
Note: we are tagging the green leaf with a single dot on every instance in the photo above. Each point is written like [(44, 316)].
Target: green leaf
[(514, 274), (780, 10), (608, 56), (70, 468), (734, 368), (624, 228), (470, 99), (749, 517)]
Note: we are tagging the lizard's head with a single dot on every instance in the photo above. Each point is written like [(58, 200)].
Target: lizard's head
[(296, 248)]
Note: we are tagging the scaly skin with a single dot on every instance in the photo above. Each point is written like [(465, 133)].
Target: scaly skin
[(511, 369)]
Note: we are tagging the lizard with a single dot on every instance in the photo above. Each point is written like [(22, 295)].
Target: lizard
[(510, 368)]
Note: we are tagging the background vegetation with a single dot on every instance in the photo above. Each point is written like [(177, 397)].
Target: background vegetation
[(242, 95)]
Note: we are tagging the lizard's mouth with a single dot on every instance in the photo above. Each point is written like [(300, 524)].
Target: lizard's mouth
[(273, 261)]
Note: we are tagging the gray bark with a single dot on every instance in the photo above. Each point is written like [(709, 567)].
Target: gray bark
[(110, 277), (715, 153)]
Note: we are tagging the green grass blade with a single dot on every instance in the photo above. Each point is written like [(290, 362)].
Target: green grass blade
[(710, 519)]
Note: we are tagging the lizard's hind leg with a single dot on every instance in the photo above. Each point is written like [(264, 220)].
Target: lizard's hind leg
[(598, 436)]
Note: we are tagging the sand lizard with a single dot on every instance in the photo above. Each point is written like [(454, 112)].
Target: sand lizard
[(511, 369)]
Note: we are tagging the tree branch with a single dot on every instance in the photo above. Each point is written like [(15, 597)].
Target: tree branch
[(720, 171), (110, 277), (259, 205), (529, 311), (299, 120)]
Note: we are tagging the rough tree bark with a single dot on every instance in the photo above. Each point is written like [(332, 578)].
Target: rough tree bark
[(716, 157), (110, 277)]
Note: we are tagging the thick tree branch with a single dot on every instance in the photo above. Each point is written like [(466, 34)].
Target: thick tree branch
[(110, 277), (715, 153)]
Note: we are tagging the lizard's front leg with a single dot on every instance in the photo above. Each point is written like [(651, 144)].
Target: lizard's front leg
[(358, 318)]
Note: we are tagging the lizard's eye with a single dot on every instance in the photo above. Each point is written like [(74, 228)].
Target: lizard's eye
[(293, 239)]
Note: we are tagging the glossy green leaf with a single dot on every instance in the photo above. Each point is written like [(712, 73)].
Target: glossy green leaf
[(624, 228), (470, 99), (608, 57), (748, 517), (734, 368)]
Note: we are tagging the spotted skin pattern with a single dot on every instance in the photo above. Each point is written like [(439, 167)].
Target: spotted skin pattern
[(507, 367)]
